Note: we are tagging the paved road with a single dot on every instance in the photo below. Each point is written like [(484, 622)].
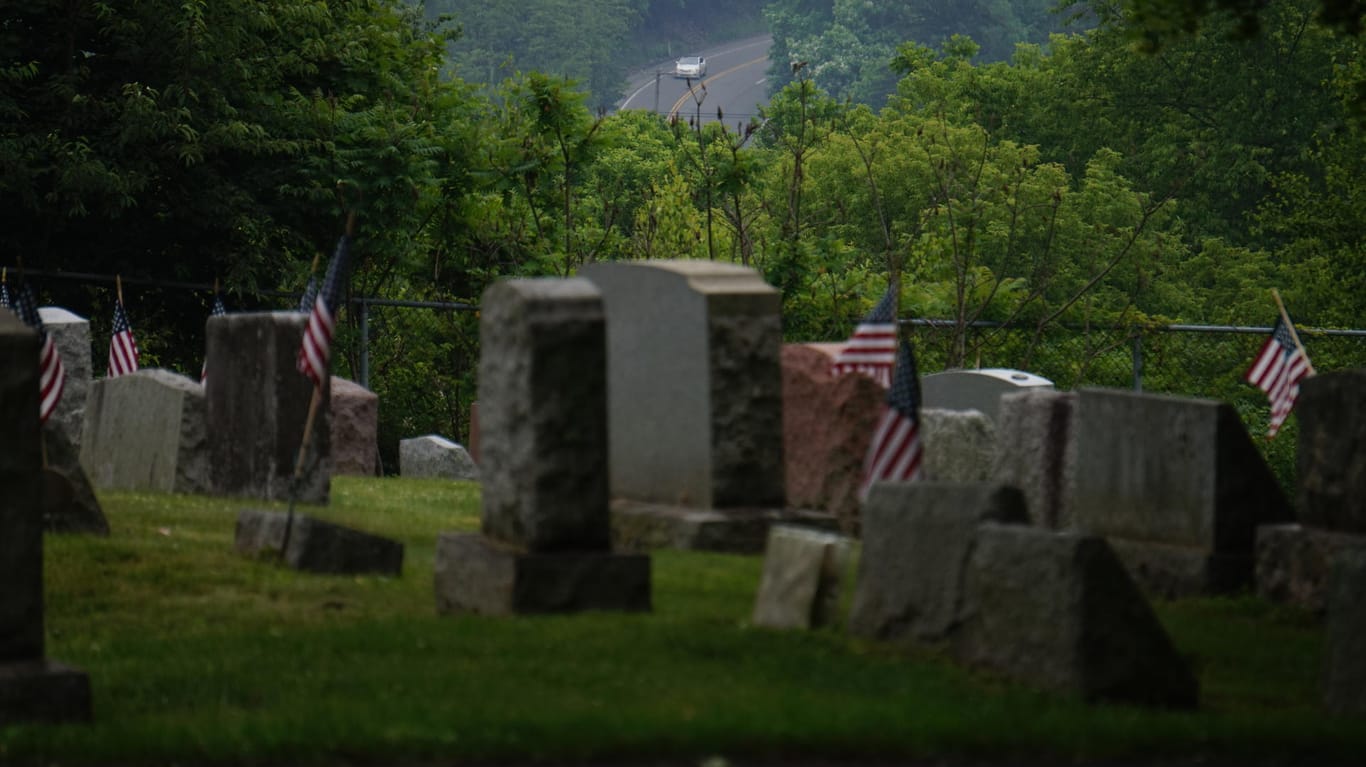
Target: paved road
[(735, 82)]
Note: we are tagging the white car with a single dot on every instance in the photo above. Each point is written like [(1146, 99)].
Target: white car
[(691, 67)]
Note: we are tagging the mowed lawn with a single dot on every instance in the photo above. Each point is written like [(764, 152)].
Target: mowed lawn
[(199, 656)]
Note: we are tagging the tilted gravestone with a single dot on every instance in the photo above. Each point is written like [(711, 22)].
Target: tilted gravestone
[(959, 445), (257, 405), (979, 390), (917, 538), (315, 545), (1344, 675), (802, 579), (1059, 611), (695, 381), (31, 686), (1176, 486), (69, 505), (147, 431), (355, 428), (1036, 451), (434, 456), (545, 542), (1293, 560)]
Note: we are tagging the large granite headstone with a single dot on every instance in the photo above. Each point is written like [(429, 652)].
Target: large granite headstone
[(1036, 451), (1059, 611), (32, 688), (959, 445), (917, 539), (979, 390), (146, 431), (257, 405), (802, 579), (355, 429), (1344, 674), (437, 457), (545, 542), (70, 333), (695, 383), (1176, 486)]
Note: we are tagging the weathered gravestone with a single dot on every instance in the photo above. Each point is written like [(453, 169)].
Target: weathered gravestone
[(1176, 486), (1036, 451), (435, 456), (917, 539), (1344, 676), (315, 545), (69, 503), (1294, 563), (979, 390), (355, 428), (147, 431), (31, 686), (1058, 611), (959, 445), (257, 405), (802, 579), (545, 545), (71, 335)]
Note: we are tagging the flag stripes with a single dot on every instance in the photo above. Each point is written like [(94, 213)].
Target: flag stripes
[(1277, 370), (51, 371), (896, 451), (123, 348), (316, 349), (871, 350)]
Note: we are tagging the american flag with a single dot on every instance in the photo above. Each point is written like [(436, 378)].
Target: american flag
[(123, 349), (310, 294), (216, 311), (51, 372), (316, 349), (894, 454), (1278, 370), (872, 348)]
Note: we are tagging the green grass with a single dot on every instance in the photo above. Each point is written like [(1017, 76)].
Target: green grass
[(199, 656)]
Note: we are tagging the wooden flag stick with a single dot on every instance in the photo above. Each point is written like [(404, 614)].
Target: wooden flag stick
[(118, 286), (299, 468), (1276, 294)]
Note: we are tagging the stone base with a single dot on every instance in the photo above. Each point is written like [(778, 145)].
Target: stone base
[(43, 691), (1170, 571), (1294, 563), (475, 574), (638, 526), (317, 546)]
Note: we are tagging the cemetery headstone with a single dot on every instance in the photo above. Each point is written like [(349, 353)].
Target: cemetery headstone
[(355, 429), (71, 335), (1036, 451), (1058, 611), (1176, 486), (32, 688), (1294, 563), (69, 505), (435, 456), (545, 541), (979, 390), (316, 545), (257, 405), (147, 431), (959, 445), (1344, 676), (802, 579)]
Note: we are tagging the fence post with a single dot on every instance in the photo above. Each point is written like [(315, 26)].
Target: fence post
[(1138, 362), (364, 343)]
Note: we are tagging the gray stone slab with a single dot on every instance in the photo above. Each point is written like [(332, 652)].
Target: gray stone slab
[(1294, 563), (21, 521), (43, 691), (147, 431), (1036, 451), (1344, 676), (71, 335), (643, 527), (1173, 471), (695, 381), (1331, 410), (960, 445), (1057, 610), (257, 405), (543, 408), (69, 502), (979, 390), (436, 457), (475, 574), (917, 539), (1173, 571), (316, 545), (803, 575), (355, 429)]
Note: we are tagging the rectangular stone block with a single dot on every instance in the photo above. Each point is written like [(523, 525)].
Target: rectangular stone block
[(643, 527), (1331, 410), (257, 404), (1174, 471), (316, 545), (543, 407), (1344, 675), (474, 574), (1173, 571), (70, 333), (695, 382), (959, 445), (1036, 451), (147, 431), (43, 691), (21, 511), (979, 390), (803, 575), (1295, 562)]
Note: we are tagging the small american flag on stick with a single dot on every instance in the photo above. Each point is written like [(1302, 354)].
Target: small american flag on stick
[(123, 348), (1277, 370), (872, 348), (895, 453), (216, 311), (51, 372), (316, 350)]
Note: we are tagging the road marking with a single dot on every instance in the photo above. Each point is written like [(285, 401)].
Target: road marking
[(673, 111)]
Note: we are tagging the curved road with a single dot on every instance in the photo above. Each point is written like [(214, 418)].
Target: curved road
[(734, 82)]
